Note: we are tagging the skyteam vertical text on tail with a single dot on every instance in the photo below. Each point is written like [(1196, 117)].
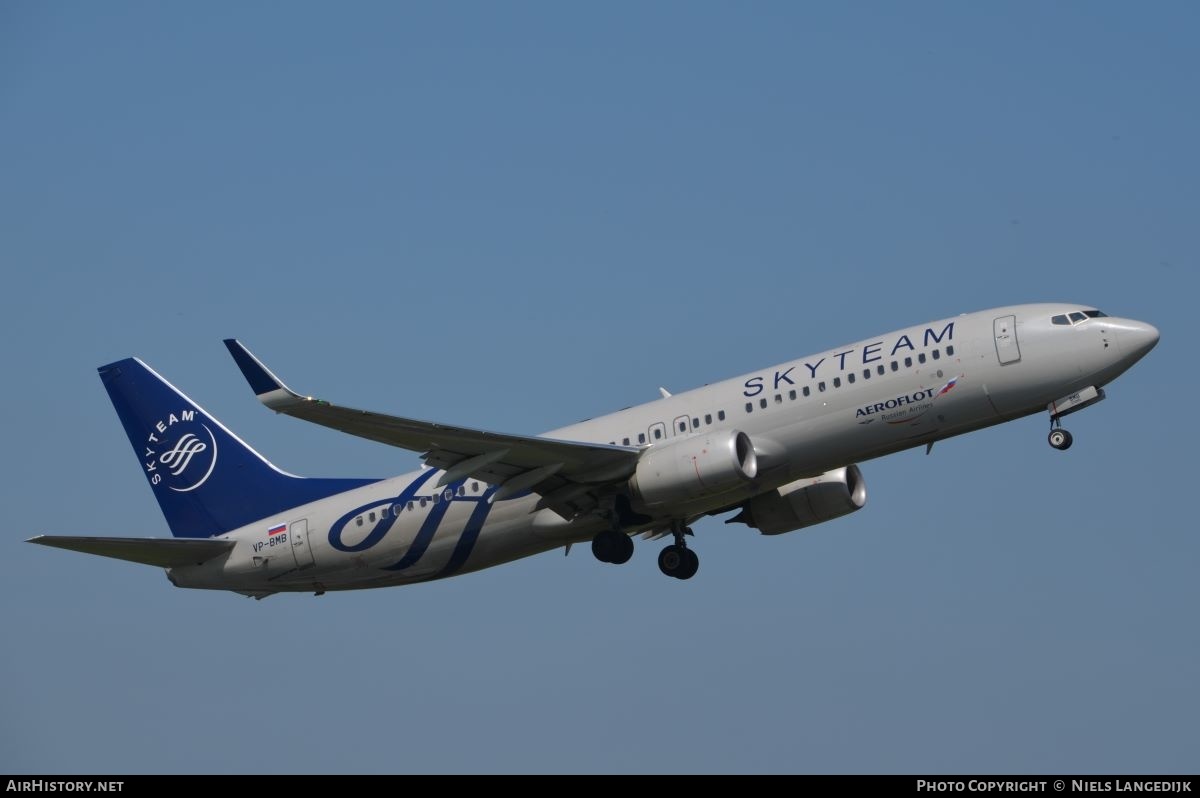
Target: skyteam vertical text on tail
[(778, 449)]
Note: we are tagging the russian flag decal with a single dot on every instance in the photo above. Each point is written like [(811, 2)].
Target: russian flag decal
[(275, 530), (946, 388)]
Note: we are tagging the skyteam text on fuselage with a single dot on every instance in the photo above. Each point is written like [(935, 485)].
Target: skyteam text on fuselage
[(778, 448)]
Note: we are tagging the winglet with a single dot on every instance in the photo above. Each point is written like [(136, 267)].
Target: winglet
[(269, 389)]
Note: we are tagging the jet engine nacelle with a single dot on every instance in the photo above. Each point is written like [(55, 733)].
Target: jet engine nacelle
[(695, 467), (806, 502)]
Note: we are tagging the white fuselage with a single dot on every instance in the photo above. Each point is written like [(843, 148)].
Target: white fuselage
[(805, 417)]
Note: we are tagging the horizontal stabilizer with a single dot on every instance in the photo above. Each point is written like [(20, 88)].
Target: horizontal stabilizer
[(162, 552)]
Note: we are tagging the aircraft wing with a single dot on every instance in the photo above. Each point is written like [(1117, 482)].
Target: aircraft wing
[(163, 552), (566, 474)]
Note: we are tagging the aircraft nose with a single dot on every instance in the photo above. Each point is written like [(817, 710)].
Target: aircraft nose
[(1138, 338)]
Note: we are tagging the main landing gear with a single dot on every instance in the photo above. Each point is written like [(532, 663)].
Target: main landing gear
[(677, 560), (613, 546)]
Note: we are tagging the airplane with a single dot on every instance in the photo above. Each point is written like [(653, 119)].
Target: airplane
[(778, 447)]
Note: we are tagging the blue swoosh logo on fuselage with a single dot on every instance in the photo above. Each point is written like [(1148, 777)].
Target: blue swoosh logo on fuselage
[(429, 527)]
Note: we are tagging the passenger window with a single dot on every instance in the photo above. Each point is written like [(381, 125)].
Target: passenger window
[(708, 418), (658, 432), (422, 501), (474, 487), (683, 426), (850, 378), (695, 423), (821, 386), (807, 390), (371, 516), (624, 441), (410, 505), (908, 362), (396, 509), (950, 351), (866, 374), (837, 382), (749, 406), (936, 354), (763, 403), (641, 437), (778, 399), (921, 358), (720, 415), (895, 366), (461, 490), (880, 369), (358, 520), (792, 394)]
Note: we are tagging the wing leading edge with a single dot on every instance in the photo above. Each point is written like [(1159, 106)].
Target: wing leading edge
[(568, 475)]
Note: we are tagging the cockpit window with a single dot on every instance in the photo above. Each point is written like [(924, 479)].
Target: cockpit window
[(1077, 317)]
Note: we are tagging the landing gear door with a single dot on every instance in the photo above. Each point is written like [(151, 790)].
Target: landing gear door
[(300, 546), (1005, 330)]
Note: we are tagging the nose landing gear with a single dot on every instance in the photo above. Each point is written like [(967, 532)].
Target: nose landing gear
[(1060, 439), (1085, 397)]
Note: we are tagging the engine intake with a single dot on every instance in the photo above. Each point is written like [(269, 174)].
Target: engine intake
[(695, 467), (805, 502)]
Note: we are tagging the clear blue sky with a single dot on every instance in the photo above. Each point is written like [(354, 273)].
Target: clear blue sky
[(516, 215)]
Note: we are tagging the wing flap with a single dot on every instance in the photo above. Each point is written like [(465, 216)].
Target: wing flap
[(161, 552)]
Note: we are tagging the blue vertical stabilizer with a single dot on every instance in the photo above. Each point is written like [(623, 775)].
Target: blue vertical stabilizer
[(206, 479)]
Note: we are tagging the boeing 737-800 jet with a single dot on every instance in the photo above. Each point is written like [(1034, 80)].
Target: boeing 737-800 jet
[(778, 447)]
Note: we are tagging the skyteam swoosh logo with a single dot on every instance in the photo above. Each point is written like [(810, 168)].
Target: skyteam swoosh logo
[(181, 452), (178, 458)]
